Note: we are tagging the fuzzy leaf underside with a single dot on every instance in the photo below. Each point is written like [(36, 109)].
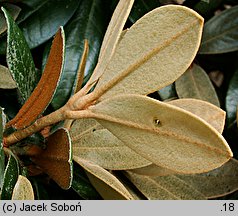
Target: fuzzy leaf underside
[(112, 37), (165, 188), (210, 113), (94, 143), (195, 83), (45, 89), (144, 60), (23, 189), (56, 160), (216, 183), (105, 182), (163, 134)]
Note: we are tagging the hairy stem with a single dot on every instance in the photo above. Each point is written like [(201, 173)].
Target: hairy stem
[(59, 115), (38, 125)]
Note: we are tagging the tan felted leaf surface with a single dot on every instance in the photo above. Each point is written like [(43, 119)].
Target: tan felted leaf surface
[(216, 183), (112, 37), (166, 135), (105, 182), (212, 114), (23, 189), (154, 52), (6, 81), (44, 91), (92, 142), (164, 187), (195, 83), (152, 170)]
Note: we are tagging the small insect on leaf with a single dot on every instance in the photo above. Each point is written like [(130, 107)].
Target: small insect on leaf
[(45, 89), (56, 160), (105, 182)]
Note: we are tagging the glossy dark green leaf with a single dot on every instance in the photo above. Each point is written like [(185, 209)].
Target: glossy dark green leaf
[(220, 33), (13, 10), (39, 189), (45, 22), (28, 8), (19, 59), (141, 7), (10, 178), (89, 22), (2, 156), (82, 186), (232, 99), (207, 8)]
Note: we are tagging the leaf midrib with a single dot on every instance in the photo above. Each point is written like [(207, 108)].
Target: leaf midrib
[(132, 67), (164, 133)]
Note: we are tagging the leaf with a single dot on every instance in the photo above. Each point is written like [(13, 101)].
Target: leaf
[(231, 100), (45, 89), (216, 183), (164, 134), (82, 185), (44, 23), (152, 170), (2, 165), (89, 22), (23, 189), (210, 113), (108, 186), (6, 81), (195, 83), (40, 190), (29, 8), (19, 59), (221, 33), (56, 160), (148, 49), (81, 70), (164, 188), (111, 37), (10, 178), (2, 155), (13, 10), (96, 144)]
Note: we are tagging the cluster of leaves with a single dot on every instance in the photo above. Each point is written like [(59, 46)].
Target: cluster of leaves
[(129, 146)]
